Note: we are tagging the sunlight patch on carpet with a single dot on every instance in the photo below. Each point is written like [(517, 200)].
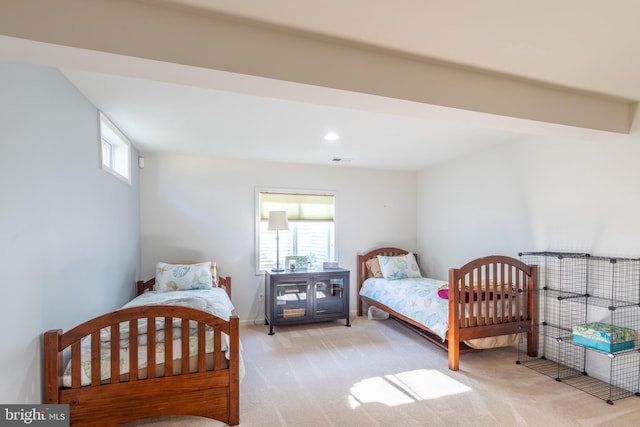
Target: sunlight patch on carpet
[(405, 387)]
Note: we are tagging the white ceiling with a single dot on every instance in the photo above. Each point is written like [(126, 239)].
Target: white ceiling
[(167, 117), (586, 45)]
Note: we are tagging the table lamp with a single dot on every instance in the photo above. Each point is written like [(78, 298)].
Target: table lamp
[(278, 221)]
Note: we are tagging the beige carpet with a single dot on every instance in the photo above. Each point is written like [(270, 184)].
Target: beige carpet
[(378, 373)]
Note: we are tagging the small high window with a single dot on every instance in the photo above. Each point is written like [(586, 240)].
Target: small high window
[(115, 150)]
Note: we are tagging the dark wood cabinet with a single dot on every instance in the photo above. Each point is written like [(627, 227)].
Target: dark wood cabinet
[(303, 296)]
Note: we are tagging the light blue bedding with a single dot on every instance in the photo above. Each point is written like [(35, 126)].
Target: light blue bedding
[(415, 298)]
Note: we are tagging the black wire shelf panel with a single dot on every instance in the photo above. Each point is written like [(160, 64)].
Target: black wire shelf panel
[(575, 292)]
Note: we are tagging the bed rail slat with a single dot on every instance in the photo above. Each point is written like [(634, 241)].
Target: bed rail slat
[(75, 365), (202, 362), (151, 347), (483, 273), (95, 361), (133, 350), (478, 276), (477, 320), (497, 311), (470, 320), (505, 294), (184, 338), (490, 289), (168, 346), (477, 301), (115, 353), (515, 283), (502, 295), (217, 349)]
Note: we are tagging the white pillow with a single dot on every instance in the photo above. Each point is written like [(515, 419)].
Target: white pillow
[(399, 267), (174, 277)]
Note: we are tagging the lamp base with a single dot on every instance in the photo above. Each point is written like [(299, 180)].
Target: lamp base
[(277, 270)]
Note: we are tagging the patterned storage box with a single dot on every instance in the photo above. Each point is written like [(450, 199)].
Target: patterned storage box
[(604, 337)]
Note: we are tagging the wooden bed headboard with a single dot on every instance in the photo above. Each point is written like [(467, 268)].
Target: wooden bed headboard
[(143, 286), (362, 266)]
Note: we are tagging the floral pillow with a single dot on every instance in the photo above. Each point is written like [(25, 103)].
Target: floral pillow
[(399, 267), (174, 277)]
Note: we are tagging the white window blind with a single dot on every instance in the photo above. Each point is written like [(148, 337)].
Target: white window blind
[(299, 207)]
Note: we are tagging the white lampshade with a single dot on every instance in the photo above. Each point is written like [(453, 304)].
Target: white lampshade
[(278, 221)]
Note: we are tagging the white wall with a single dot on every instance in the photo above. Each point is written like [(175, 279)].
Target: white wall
[(533, 195), (195, 207), (71, 235), (542, 194), (69, 232)]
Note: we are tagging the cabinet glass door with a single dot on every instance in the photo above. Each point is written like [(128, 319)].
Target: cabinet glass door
[(291, 300), (329, 296)]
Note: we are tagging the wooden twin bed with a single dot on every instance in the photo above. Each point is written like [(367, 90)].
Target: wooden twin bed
[(492, 296), (205, 384)]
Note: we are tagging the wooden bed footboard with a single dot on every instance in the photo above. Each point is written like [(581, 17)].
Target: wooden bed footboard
[(204, 384), (491, 296), (488, 297)]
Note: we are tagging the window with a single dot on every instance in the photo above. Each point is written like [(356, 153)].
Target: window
[(311, 226), (115, 150)]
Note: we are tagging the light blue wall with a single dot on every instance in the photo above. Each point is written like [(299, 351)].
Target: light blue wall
[(69, 232)]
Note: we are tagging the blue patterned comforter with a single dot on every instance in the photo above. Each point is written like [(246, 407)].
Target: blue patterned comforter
[(415, 298)]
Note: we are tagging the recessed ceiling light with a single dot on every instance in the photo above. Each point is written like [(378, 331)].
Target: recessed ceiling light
[(331, 136)]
